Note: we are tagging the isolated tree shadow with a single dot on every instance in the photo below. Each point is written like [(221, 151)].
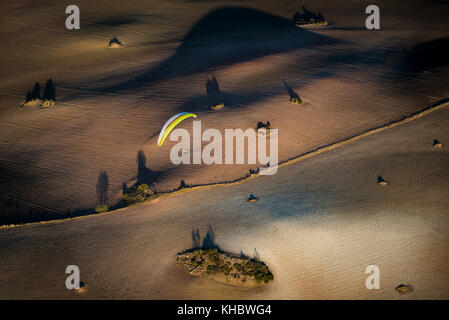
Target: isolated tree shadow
[(49, 91), (144, 173), (209, 239), (208, 242), (19, 212), (102, 188), (183, 185), (196, 238), (214, 96), (144, 176), (291, 92), (212, 87), (35, 93)]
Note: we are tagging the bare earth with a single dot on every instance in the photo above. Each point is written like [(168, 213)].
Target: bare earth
[(317, 224), (113, 103)]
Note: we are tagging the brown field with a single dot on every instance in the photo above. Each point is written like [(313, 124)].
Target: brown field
[(317, 223), (112, 103)]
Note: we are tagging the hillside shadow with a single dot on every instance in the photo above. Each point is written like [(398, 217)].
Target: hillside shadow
[(428, 55), (226, 36)]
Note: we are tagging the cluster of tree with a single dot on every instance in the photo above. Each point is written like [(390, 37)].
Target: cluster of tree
[(138, 194), (308, 17), (49, 92), (114, 42), (267, 125), (214, 261)]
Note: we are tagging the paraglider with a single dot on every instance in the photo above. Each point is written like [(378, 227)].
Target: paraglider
[(171, 124)]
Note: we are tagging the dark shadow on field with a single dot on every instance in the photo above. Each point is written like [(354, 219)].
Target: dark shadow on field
[(196, 238), (35, 93), (359, 56), (18, 212), (49, 90), (144, 173), (122, 20), (212, 86), (291, 92), (208, 242), (361, 28), (307, 16), (226, 36), (102, 188), (234, 99), (428, 55), (214, 96), (15, 211)]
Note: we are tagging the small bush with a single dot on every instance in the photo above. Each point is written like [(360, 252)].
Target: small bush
[(102, 208), (137, 194), (212, 268), (225, 268), (261, 273), (238, 267)]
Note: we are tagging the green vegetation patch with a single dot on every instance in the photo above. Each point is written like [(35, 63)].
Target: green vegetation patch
[(225, 267), (138, 194), (102, 208)]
